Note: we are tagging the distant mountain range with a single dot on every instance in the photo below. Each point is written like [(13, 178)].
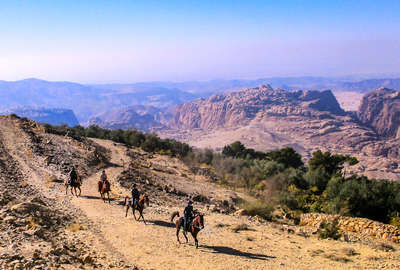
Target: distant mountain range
[(48, 116), (88, 101)]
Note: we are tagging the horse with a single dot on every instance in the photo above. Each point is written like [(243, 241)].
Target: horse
[(74, 185), (195, 227), (143, 200), (103, 188)]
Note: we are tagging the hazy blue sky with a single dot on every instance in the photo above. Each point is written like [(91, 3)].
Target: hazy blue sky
[(129, 41)]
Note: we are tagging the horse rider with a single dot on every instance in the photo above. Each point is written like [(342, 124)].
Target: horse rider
[(73, 176), (103, 176), (135, 196), (188, 215)]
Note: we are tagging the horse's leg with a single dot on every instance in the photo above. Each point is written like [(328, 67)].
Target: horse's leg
[(141, 215), (194, 234), (127, 209), (184, 234), (178, 228), (108, 194), (71, 191), (66, 190), (80, 191)]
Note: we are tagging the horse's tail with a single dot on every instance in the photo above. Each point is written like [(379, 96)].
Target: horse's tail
[(126, 198), (174, 214)]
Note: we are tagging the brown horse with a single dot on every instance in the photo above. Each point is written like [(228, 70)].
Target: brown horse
[(103, 188), (74, 185), (195, 227), (143, 200)]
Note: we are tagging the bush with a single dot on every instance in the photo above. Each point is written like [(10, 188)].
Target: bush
[(261, 209), (329, 230)]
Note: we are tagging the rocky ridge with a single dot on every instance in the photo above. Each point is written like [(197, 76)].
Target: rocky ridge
[(266, 119), (380, 109), (239, 108)]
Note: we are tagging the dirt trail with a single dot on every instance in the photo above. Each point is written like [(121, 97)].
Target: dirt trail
[(154, 246)]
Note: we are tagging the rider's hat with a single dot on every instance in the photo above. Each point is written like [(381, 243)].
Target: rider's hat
[(133, 185), (189, 202)]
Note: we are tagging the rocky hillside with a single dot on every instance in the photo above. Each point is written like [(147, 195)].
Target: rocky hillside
[(265, 119), (380, 109), (240, 108), (49, 116)]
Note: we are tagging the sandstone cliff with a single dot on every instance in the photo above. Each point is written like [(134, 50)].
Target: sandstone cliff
[(240, 108), (380, 109)]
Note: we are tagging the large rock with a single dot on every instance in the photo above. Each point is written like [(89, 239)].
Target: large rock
[(380, 109)]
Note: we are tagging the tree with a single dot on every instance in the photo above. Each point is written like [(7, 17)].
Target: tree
[(286, 156), (332, 164)]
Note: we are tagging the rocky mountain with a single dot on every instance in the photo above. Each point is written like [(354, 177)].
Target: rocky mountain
[(140, 117), (265, 119), (239, 108), (380, 109), (43, 115)]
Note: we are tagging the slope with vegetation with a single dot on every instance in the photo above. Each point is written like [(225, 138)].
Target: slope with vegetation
[(93, 234)]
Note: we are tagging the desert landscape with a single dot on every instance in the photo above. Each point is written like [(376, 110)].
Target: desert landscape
[(68, 232)]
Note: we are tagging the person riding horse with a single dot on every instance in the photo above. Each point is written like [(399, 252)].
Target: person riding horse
[(135, 196), (103, 176), (73, 176), (188, 215)]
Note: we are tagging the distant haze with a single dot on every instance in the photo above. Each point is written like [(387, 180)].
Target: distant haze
[(126, 41)]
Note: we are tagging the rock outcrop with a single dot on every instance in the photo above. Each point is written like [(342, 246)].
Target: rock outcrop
[(240, 108), (380, 109)]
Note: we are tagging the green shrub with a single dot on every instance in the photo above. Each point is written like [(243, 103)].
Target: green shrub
[(329, 230), (258, 208)]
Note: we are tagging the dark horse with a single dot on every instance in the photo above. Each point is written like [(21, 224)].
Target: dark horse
[(195, 227), (74, 185), (104, 187), (143, 200)]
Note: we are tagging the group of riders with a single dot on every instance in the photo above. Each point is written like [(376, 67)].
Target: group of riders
[(188, 213)]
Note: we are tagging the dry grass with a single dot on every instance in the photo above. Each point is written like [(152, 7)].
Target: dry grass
[(240, 227), (337, 258), (349, 251), (316, 252), (75, 227), (383, 247), (249, 238)]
